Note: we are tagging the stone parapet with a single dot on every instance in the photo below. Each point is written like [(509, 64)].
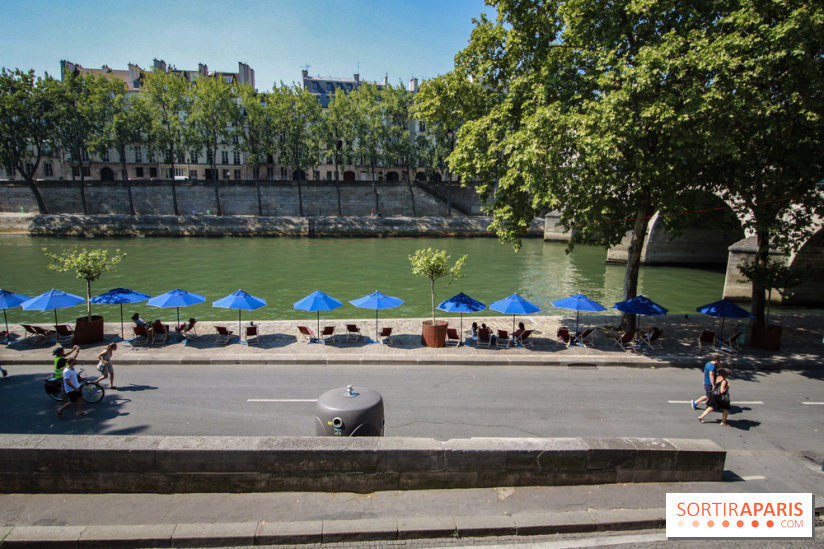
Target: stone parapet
[(171, 464)]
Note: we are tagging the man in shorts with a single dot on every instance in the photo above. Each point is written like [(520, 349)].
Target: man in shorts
[(61, 360), (709, 381), (72, 387)]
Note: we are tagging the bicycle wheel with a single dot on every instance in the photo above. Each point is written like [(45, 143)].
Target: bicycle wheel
[(91, 392), (55, 396)]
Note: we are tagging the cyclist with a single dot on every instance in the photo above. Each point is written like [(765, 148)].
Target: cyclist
[(61, 360)]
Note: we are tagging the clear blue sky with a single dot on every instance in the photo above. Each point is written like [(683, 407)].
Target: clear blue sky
[(402, 38)]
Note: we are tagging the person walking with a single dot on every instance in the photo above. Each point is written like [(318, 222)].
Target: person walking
[(104, 365), (709, 381), (720, 397), (71, 384), (61, 360)]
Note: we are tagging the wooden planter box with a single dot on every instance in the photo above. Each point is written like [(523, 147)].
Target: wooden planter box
[(434, 335), (768, 338), (88, 331)]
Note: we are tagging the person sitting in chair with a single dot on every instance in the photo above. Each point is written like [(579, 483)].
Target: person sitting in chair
[(517, 333), (140, 322)]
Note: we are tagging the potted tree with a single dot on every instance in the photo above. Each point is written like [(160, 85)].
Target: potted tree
[(434, 264), (88, 265), (769, 276)]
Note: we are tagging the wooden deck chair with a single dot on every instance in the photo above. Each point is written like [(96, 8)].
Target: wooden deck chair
[(653, 339), (32, 336), (189, 329), (525, 339), (353, 332), (503, 339), (159, 333), (586, 337), (624, 340), (386, 336), (140, 332), (484, 337), (327, 335), (223, 335), (707, 337), (453, 337), (732, 342), (307, 334), (45, 333), (64, 333), (562, 336), (252, 336)]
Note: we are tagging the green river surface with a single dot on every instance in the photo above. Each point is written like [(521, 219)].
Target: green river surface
[(284, 270)]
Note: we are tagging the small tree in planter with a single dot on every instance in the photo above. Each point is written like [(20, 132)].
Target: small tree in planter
[(88, 265), (434, 264)]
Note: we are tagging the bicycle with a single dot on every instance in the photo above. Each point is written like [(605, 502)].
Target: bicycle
[(90, 391)]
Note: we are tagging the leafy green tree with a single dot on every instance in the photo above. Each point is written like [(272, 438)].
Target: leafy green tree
[(762, 107), (213, 116), (434, 264), (370, 131), (771, 275), (401, 147), (86, 264), (257, 131), (578, 106), (26, 121), (128, 126), (336, 134), (165, 97)]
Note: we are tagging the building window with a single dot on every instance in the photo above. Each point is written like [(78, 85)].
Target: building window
[(87, 172), (75, 171), (348, 87), (48, 169), (421, 127), (138, 172), (237, 174), (106, 155), (270, 173), (195, 158), (84, 156), (138, 155), (225, 174), (179, 172), (330, 86), (209, 157), (315, 175), (29, 168), (328, 175), (283, 173), (152, 172), (314, 86), (236, 158), (224, 157), (235, 140)]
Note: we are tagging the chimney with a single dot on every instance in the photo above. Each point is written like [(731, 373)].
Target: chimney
[(413, 84), (386, 79)]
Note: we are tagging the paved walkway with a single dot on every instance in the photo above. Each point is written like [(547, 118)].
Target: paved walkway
[(280, 343)]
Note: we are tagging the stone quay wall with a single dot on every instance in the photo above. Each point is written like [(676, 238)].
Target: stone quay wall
[(170, 464), (277, 198)]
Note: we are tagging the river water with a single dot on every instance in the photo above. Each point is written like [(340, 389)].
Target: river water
[(284, 270)]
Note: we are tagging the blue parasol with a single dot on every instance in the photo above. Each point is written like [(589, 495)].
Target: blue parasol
[(10, 300), (724, 308), (176, 298), (461, 303), (640, 305), (119, 296), (514, 305), (377, 301), (578, 303), (241, 301), (52, 300), (317, 301)]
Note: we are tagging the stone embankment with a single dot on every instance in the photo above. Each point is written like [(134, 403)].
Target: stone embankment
[(211, 225)]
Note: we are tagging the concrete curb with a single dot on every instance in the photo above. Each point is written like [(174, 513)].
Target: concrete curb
[(330, 531)]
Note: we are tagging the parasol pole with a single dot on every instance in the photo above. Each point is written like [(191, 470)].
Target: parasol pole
[(8, 334), (376, 327), (122, 330), (238, 324)]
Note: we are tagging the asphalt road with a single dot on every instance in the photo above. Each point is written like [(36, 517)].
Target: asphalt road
[(776, 432)]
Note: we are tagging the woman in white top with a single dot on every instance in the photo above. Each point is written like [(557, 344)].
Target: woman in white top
[(104, 364)]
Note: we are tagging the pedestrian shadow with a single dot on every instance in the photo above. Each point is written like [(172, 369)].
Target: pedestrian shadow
[(130, 388), (743, 424)]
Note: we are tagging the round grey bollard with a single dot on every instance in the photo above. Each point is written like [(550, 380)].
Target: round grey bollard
[(350, 412)]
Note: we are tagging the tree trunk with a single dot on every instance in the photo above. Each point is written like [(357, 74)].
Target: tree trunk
[(217, 197), (126, 180), (174, 185), (41, 206), (759, 299), (256, 174), (636, 246), (300, 198), (411, 193), (448, 196), (82, 187), (337, 187)]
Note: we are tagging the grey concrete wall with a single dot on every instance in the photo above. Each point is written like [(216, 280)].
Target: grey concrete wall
[(134, 464), (278, 198)]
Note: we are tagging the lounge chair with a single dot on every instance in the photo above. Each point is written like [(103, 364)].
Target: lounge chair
[(140, 332), (562, 336), (484, 337), (307, 334), (159, 332), (503, 339), (525, 340), (45, 333), (327, 335), (189, 330), (586, 337), (653, 339), (223, 335), (453, 337), (31, 334), (386, 336), (731, 342), (353, 332), (624, 340), (707, 337), (64, 333), (252, 337)]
